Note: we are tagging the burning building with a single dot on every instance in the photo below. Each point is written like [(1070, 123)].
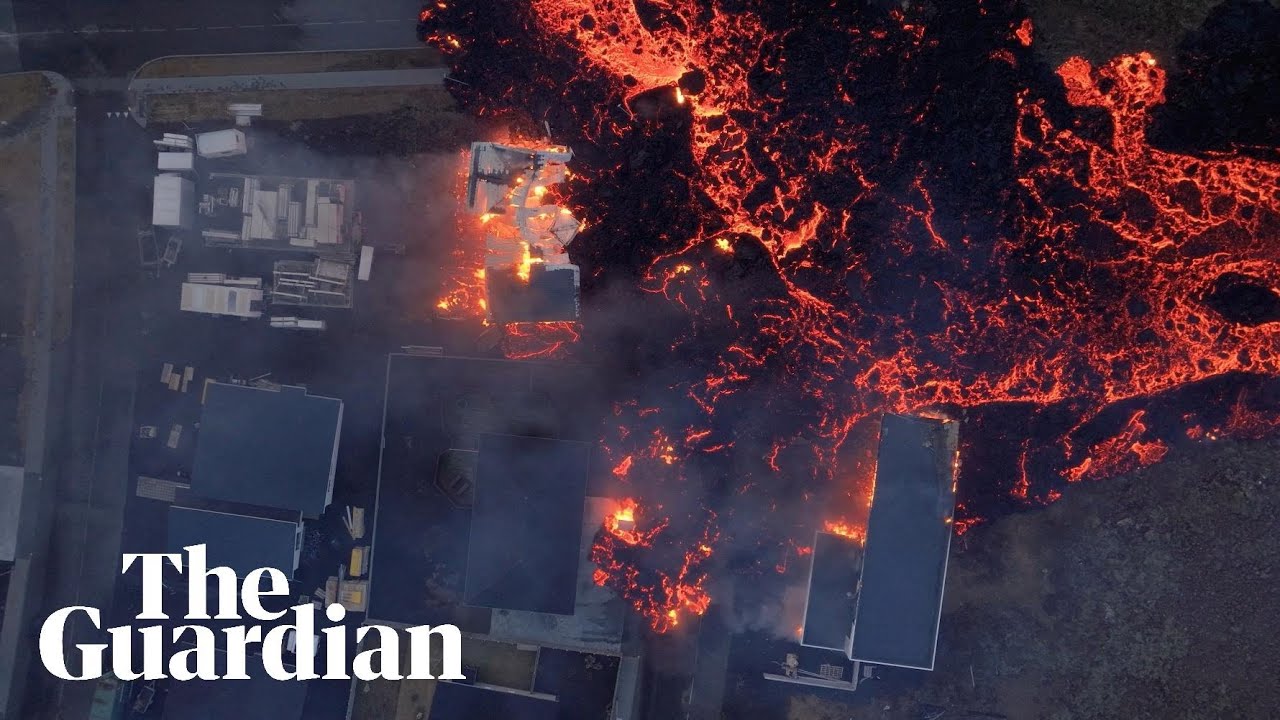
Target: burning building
[(880, 602), (802, 221), (527, 271)]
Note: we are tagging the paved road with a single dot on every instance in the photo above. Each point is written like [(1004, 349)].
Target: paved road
[(98, 44), (111, 38)]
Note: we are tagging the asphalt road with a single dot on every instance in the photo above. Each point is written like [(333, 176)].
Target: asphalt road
[(111, 38), (97, 44)]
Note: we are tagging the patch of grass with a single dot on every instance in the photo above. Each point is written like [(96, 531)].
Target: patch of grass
[(307, 62), (21, 93), (499, 663)]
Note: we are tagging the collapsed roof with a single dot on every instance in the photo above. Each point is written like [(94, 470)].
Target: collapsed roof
[(505, 188)]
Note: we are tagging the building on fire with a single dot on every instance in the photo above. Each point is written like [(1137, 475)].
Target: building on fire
[(485, 515), (528, 274), (880, 603)]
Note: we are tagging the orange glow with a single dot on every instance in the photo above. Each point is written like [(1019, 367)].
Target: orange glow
[(847, 530), (1089, 292)]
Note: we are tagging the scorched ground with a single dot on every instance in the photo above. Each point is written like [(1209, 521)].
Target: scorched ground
[(802, 216)]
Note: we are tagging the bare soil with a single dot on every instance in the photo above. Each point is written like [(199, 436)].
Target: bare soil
[(307, 62), (290, 105)]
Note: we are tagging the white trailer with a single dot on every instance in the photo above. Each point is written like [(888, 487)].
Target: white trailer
[(366, 262), (175, 162), (173, 202), (221, 300), (221, 143)]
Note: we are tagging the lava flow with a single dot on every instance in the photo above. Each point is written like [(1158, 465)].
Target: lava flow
[(829, 213)]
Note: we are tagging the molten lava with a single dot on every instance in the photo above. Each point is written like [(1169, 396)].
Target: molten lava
[(824, 225)]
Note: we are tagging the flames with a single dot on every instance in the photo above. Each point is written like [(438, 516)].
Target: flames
[(829, 227), (664, 597)]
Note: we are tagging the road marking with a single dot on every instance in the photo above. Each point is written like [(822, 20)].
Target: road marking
[(219, 27), (322, 22), (151, 30), (247, 27), (186, 29)]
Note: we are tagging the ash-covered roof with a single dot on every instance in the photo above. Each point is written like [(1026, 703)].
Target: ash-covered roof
[(240, 542), (909, 531), (526, 524), (273, 448)]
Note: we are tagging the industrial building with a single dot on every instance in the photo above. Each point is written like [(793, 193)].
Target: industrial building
[(258, 698), (881, 603), (243, 543), (526, 524), (267, 447), (485, 517), (528, 274), (278, 213)]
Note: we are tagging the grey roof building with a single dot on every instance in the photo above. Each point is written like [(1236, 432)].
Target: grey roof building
[(549, 294), (833, 592), (526, 527), (275, 448), (240, 542), (904, 565)]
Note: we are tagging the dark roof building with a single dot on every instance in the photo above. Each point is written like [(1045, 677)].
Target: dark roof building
[(833, 592), (258, 698), (549, 294), (909, 530), (437, 410), (275, 448), (526, 524), (456, 701), (599, 615), (240, 542)]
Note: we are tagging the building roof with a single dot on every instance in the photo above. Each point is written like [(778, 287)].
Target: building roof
[(12, 479), (550, 294), (456, 701), (240, 542), (832, 595), (258, 698), (908, 540), (273, 448), (526, 524), (598, 618)]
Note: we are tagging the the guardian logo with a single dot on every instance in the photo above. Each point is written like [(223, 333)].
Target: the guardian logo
[(200, 661)]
